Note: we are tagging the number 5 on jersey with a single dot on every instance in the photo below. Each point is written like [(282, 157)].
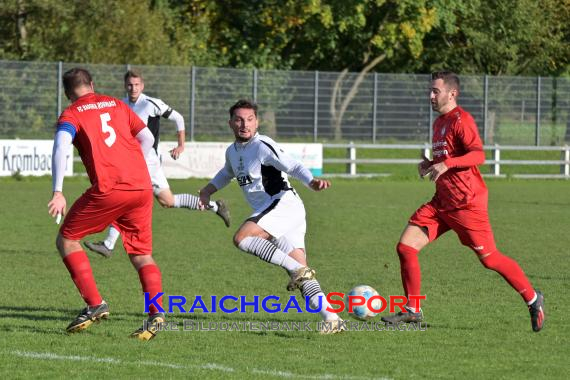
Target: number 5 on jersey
[(106, 128)]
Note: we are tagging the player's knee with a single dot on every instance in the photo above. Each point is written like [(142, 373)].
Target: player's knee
[(238, 237), (490, 260), (165, 202), (405, 250)]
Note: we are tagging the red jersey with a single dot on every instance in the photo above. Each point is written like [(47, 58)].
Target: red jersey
[(103, 130), (456, 142)]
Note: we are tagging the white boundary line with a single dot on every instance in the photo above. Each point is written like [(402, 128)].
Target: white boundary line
[(206, 366)]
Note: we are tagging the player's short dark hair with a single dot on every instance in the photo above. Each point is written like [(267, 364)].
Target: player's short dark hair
[(450, 79), (243, 103), (75, 78), (133, 73)]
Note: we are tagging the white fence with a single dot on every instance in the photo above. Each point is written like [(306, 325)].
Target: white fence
[(351, 159), (300, 105)]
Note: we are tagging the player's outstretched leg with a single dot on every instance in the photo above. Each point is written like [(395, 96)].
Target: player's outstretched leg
[(190, 201), (270, 253), (80, 271), (510, 270), (151, 281), (411, 281), (88, 316), (150, 327), (311, 290), (105, 247)]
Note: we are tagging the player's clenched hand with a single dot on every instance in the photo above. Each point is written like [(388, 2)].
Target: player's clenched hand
[(57, 205), (319, 184), (423, 167), (436, 170), (176, 152)]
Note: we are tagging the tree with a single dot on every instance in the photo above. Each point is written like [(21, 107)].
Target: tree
[(99, 31), (502, 37)]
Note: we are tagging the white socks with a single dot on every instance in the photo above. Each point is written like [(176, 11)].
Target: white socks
[(191, 201), (268, 252), (112, 237)]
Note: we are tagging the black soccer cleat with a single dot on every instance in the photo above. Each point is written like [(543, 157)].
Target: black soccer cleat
[(401, 317), (100, 248), (88, 316), (536, 310), (223, 212)]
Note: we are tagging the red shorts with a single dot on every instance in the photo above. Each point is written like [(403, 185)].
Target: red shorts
[(472, 226), (131, 212)]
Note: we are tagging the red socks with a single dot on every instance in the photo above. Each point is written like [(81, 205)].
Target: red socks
[(151, 281), (511, 271), (79, 268), (410, 271)]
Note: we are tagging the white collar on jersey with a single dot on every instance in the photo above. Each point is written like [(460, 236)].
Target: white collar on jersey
[(243, 145), (141, 97)]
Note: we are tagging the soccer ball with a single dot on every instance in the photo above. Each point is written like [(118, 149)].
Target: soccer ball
[(363, 313)]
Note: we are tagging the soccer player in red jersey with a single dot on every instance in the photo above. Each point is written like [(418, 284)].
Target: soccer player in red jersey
[(111, 140), (459, 204)]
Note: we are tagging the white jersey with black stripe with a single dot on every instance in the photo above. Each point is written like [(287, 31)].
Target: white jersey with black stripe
[(150, 110), (261, 168)]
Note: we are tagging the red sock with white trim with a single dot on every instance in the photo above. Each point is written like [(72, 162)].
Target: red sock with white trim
[(79, 268), (411, 273), (151, 281), (512, 272)]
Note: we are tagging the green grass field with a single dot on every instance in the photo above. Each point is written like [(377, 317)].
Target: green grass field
[(478, 327)]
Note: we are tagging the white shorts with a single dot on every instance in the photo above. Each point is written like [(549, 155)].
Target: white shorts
[(157, 177), (284, 217)]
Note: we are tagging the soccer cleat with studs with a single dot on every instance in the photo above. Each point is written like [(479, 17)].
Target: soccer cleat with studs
[(536, 310), (401, 317), (150, 327), (88, 316), (299, 276), (100, 248), (223, 212)]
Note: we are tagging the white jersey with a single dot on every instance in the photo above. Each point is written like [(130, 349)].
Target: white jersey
[(150, 110), (260, 167)]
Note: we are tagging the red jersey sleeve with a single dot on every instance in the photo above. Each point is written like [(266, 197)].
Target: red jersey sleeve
[(68, 122), (466, 130)]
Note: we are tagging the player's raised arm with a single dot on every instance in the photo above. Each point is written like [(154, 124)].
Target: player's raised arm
[(168, 113), (179, 120), (272, 155)]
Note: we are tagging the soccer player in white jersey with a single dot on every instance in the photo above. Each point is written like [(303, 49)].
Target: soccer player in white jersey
[(150, 110), (275, 232)]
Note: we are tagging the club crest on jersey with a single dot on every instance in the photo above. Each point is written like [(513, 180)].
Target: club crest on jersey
[(443, 131), (244, 180)]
